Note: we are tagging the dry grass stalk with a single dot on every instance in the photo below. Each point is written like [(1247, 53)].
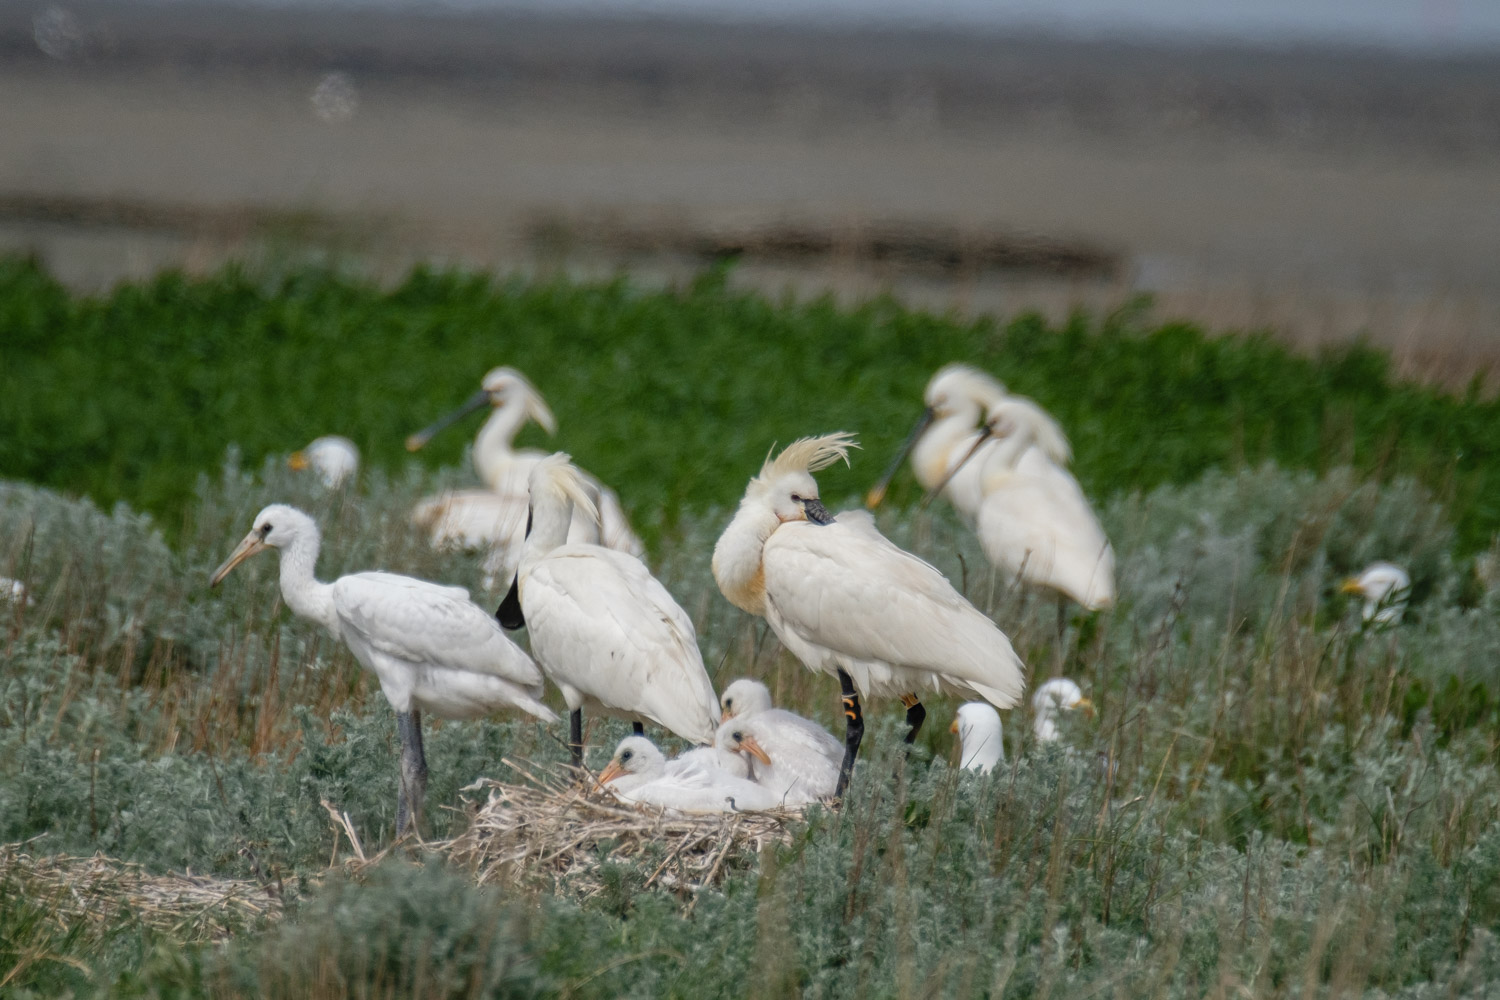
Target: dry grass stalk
[(559, 833), (98, 888)]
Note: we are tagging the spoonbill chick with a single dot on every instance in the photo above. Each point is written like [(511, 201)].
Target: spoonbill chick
[(432, 649), (980, 741), (1035, 523), (1050, 701), (603, 629), (799, 761), (332, 457), (1386, 589), (638, 773), (494, 518), (846, 601)]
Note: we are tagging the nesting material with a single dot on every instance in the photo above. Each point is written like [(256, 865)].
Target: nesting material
[(556, 831), (98, 889)]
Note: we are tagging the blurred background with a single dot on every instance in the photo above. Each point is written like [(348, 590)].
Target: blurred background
[(1323, 169)]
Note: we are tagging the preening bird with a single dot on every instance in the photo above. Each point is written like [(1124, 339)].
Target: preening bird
[(333, 458), (639, 773), (494, 519), (1050, 701), (846, 601), (1033, 520), (432, 649), (1386, 589), (602, 628), (980, 741)]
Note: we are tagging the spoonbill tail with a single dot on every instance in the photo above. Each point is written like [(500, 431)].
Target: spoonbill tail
[(432, 649), (846, 601), (603, 629)]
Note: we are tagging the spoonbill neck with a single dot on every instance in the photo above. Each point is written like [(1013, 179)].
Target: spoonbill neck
[(737, 556), (551, 516), (302, 591), (492, 446), (1007, 452)]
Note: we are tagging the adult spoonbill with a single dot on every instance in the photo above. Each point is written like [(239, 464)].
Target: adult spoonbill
[(638, 773), (1034, 522), (846, 601), (602, 628), (432, 649), (332, 457), (494, 519), (1051, 699), (980, 742), (1386, 589)]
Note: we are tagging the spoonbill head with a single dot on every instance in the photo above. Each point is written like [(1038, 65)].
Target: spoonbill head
[(744, 698), (1385, 587), (1053, 698), (980, 741), (332, 457), (502, 389), (636, 761), (953, 403)]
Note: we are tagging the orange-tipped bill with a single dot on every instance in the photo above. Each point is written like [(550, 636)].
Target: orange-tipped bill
[(984, 435), (298, 460), (252, 544), (876, 495), (478, 401), (1351, 586), (750, 745), (611, 771), (953, 727), (1086, 706)]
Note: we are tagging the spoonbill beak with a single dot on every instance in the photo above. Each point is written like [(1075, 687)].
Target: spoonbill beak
[(253, 543), (953, 727), (610, 773), (751, 746), (478, 401), (725, 715), (1351, 586), (1086, 706), (297, 461), (984, 435), (877, 492)]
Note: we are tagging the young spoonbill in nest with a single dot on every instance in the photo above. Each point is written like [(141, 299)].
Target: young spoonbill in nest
[(431, 647), (494, 518), (1035, 524), (333, 458), (639, 773), (980, 738), (846, 601), (1386, 589), (603, 629), (796, 758)]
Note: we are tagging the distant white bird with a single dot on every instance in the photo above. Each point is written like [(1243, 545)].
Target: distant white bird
[(431, 647), (494, 519), (1386, 589), (603, 629), (980, 741), (1036, 525), (846, 601), (1050, 701), (638, 773), (335, 459), (15, 592)]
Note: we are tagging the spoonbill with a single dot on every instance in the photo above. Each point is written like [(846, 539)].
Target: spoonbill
[(1034, 523), (603, 629), (432, 649), (494, 518), (1386, 589), (638, 773), (846, 601), (980, 741), (1051, 699), (799, 761), (332, 457)]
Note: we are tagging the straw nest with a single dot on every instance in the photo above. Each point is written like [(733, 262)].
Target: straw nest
[(99, 889), (561, 834)]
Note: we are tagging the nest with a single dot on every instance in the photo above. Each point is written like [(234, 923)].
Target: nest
[(98, 889), (562, 834)]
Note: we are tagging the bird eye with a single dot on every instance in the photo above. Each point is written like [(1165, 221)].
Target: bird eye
[(625, 755), (728, 702), (265, 529), (796, 498), (738, 736)]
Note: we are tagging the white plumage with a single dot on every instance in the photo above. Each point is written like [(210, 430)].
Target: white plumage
[(1386, 589), (1051, 699), (980, 737), (603, 629), (795, 758), (432, 649), (493, 519), (846, 601), (638, 773), (333, 458)]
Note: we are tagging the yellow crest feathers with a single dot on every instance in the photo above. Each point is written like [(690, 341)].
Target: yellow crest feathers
[(809, 454), (558, 473)]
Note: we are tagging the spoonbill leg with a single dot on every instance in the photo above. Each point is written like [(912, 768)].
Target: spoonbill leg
[(413, 786), (854, 731), (915, 715)]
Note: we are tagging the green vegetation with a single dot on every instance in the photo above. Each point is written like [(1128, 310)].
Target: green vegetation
[(1300, 807), (672, 398)]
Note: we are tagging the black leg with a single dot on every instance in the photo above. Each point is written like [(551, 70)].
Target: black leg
[(412, 787), (575, 737), (854, 730), (638, 728), (915, 716)]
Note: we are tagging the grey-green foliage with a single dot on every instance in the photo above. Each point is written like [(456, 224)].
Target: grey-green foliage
[(1298, 806)]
